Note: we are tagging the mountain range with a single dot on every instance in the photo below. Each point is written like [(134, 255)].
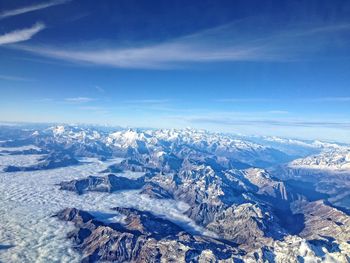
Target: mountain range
[(250, 198)]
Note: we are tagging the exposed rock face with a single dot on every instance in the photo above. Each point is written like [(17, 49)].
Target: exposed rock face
[(141, 237), (322, 220), (289, 214), (130, 165), (114, 168), (155, 191), (246, 224), (267, 185), (240, 206), (224, 202), (248, 207), (109, 183), (322, 183)]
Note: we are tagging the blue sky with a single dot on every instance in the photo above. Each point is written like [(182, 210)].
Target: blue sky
[(252, 67)]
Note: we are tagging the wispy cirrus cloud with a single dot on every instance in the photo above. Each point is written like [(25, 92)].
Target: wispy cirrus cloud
[(14, 78), (278, 112), (70, 100), (21, 34), (234, 100), (302, 100), (99, 89), (92, 108), (269, 122), (79, 100), (160, 56), (227, 43), (30, 8), (332, 99), (147, 101)]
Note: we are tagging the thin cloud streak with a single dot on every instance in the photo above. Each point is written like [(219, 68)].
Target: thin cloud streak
[(21, 34), (223, 44), (14, 78), (92, 108), (264, 100), (147, 101), (100, 89), (234, 100), (162, 56), (79, 100), (287, 123), (332, 99), (31, 8)]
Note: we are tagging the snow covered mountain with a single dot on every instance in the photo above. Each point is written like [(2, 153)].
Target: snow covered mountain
[(334, 160), (177, 194)]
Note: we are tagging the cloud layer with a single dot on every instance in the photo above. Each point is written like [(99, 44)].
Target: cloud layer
[(31, 8), (21, 34), (287, 123), (14, 78), (222, 44), (79, 100)]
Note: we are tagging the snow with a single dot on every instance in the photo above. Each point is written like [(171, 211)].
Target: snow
[(29, 199), (130, 137), (58, 130), (330, 159), (35, 133)]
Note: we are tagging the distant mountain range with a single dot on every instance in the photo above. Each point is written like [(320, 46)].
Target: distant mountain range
[(262, 199)]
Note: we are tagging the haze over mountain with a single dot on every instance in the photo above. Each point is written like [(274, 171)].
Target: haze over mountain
[(276, 68)]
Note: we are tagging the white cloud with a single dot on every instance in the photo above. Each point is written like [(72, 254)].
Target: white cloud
[(157, 56), (264, 100), (31, 8), (92, 108), (21, 34), (331, 99), (222, 44), (147, 101), (278, 112), (14, 78), (238, 100), (99, 89), (79, 100), (272, 122)]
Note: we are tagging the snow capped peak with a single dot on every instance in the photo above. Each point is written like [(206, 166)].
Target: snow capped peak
[(347, 157), (58, 130), (321, 144), (96, 135), (289, 141), (131, 135), (75, 133), (126, 138), (35, 133), (336, 159)]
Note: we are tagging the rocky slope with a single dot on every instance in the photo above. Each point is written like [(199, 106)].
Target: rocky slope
[(259, 201), (141, 237)]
